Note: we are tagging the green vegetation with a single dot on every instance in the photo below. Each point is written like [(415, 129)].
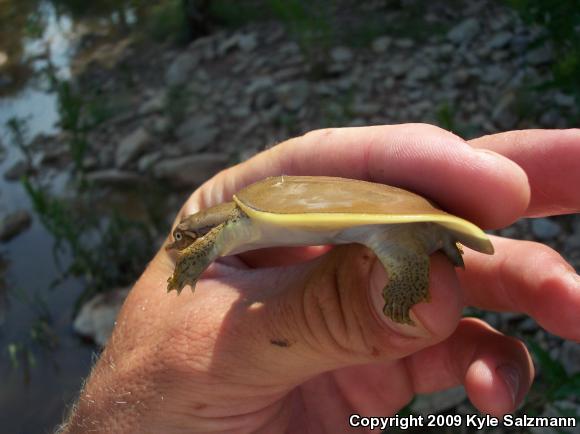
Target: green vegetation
[(18, 129), (553, 386), (560, 21), (312, 29), (446, 118), (23, 354), (105, 249), (165, 21)]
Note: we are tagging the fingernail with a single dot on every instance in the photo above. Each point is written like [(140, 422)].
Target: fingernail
[(486, 153), (574, 279), (378, 280), (494, 157), (511, 377)]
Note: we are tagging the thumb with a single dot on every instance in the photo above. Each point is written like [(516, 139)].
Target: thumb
[(309, 318)]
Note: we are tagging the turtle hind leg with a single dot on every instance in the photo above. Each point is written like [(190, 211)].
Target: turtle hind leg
[(408, 284), (193, 260)]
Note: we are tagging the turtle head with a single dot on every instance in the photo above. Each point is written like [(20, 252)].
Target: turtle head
[(182, 238)]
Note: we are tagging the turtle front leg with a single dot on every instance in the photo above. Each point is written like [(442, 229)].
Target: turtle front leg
[(194, 259), (408, 273), (403, 250)]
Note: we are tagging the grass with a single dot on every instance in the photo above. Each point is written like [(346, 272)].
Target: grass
[(106, 250), (19, 137), (166, 21), (22, 354), (553, 386), (560, 21)]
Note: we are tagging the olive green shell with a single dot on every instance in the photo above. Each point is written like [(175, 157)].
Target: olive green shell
[(325, 203)]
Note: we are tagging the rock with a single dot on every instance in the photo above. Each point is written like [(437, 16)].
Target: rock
[(504, 114), (248, 126), (191, 170), (147, 161), (16, 171), (464, 32), (240, 111), (366, 108), (520, 43), (563, 100), (132, 146), (159, 124), (154, 104), (247, 42), (550, 118), (399, 68), (389, 83), (14, 224), (289, 49), (418, 73), (114, 177), (265, 100), (404, 43), (293, 95), (495, 74), (181, 69), (341, 54), (341, 59), (6, 80), (511, 232), (570, 357), (497, 56), (440, 401), (555, 412), (55, 155), (573, 242), (462, 75), (96, 318), (499, 40), (197, 132), (540, 55), (545, 229), (381, 44), (258, 84)]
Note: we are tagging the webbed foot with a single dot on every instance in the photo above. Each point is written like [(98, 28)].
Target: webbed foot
[(179, 280), (408, 284)]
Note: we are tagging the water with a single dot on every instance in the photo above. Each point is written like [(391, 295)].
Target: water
[(34, 400)]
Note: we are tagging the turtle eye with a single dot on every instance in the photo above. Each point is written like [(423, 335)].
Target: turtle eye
[(177, 236)]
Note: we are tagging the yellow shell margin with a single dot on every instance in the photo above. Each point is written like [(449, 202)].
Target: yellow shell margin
[(468, 234)]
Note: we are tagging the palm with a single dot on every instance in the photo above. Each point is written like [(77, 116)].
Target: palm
[(285, 338)]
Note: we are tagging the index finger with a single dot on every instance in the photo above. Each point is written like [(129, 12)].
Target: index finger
[(550, 159), (483, 187)]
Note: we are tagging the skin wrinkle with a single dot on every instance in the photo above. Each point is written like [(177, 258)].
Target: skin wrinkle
[(328, 326), (398, 402), (411, 388), (355, 324), (308, 316), (501, 279), (341, 322)]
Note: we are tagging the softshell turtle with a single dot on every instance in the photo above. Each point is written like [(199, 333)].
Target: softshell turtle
[(402, 228)]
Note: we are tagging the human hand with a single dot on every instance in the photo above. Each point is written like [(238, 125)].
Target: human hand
[(289, 340)]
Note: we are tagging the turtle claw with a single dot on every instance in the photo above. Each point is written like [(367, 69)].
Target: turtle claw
[(174, 283)]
